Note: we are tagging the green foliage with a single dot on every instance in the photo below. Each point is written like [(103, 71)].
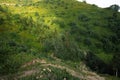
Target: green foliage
[(95, 63), (115, 7), (13, 62), (41, 27), (83, 18), (111, 77), (116, 62)]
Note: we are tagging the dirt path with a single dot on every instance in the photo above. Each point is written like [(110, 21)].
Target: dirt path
[(89, 76), (44, 63), (92, 76), (70, 71), (27, 73)]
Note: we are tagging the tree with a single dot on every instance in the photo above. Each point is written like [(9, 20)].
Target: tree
[(115, 7), (116, 63), (84, 1)]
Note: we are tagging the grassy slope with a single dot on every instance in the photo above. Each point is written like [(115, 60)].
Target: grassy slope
[(80, 23)]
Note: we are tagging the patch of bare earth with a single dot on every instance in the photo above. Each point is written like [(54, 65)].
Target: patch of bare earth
[(87, 76)]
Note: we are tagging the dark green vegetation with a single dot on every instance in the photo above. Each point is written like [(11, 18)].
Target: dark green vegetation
[(73, 31)]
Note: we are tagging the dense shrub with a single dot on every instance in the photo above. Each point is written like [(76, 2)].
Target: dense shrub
[(87, 41), (83, 18), (13, 62), (96, 64), (1, 21)]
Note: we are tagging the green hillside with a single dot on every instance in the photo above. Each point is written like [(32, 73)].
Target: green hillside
[(61, 32)]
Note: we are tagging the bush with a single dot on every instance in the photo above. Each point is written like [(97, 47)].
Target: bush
[(1, 20), (68, 50), (13, 62), (96, 64), (83, 18), (87, 41), (37, 14)]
